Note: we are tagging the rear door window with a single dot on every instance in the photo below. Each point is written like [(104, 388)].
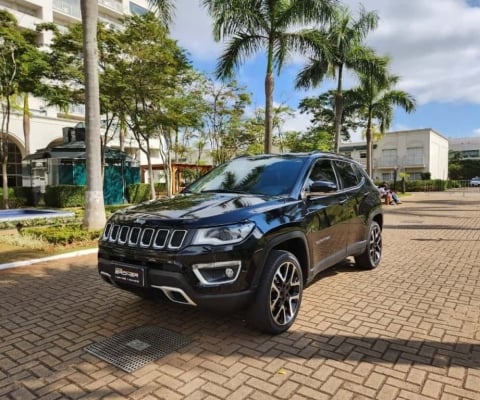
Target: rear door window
[(348, 175)]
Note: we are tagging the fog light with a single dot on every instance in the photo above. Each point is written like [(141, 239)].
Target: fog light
[(217, 273)]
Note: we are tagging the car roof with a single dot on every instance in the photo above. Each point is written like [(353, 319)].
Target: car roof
[(312, 155)]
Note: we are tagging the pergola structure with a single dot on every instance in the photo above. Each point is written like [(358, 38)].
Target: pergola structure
[(177, 169)]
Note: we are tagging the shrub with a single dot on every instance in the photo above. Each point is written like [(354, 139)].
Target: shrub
[(24, 195), (14, 200), (138, 192), (65, 196), (62, 235)]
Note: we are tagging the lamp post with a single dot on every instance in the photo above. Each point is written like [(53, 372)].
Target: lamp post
[(395, 172)]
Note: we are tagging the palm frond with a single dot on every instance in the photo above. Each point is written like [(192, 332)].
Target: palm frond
[(237, 50)]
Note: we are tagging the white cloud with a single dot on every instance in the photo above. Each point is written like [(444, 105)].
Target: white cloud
[(193, 29), (298, 122), (433, 46), (476, 132)]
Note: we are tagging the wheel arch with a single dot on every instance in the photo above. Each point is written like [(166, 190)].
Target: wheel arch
[(295, 243)]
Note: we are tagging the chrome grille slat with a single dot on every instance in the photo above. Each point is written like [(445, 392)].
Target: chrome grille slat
[(178, 236), (160, 240), (135, 236), (146, 238)]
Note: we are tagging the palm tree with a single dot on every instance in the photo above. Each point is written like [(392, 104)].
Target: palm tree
[(165, 10), (376, 99), (251, 25), (338, 48), (94, 205)]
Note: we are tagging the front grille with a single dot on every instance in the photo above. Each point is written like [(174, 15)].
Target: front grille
[(161, 238)]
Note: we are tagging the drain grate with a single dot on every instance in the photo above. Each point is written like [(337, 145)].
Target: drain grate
[(137, 347)]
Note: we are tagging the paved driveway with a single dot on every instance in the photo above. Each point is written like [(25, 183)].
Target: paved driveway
[(408, 330)]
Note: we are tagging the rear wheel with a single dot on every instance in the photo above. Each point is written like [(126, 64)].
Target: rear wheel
[(372, 255), (279, 294)]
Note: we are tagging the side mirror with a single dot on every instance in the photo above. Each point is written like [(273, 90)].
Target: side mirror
[(323, 187)]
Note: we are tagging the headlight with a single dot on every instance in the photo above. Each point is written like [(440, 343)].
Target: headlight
[(221, 235)]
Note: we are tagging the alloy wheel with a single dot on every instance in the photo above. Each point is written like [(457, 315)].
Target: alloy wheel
[(285, 293)]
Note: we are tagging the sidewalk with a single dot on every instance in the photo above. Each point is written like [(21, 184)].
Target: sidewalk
[(407, 330)]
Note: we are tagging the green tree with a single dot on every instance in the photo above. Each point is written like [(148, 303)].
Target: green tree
[(94, 217), (150, 70), (340, 47), (225, 109), (311, 140), (322, 111), (375, 100), (18, 68), (252, 25)]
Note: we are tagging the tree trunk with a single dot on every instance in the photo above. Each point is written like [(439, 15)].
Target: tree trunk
[(94, 218), (26, 124), (338, 121), (268, 112), (4, 151), (338, 112), (153, 195), (368, 136), (5, 182)]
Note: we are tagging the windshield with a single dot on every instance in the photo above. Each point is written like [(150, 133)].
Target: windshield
[(269, 175)]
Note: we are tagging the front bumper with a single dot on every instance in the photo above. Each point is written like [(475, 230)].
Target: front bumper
[(172, 274)]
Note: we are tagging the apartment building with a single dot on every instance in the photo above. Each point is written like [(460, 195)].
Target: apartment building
[(46, 123), (465, 148), (415, 152)]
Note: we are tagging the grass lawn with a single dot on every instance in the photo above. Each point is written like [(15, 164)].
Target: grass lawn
[(12, 252)]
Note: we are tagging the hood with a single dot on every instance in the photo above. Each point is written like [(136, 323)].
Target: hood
[(201, 209)]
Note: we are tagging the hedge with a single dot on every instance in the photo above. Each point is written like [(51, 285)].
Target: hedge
[(65, 196), (140, 192)]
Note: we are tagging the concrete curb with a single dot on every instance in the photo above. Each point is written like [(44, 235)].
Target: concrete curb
[(50, 258)]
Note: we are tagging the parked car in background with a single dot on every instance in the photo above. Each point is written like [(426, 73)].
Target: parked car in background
[(252, 233), (475, 181)]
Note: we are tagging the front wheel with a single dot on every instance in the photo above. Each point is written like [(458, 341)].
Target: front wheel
[(279, 294), (372, 255)]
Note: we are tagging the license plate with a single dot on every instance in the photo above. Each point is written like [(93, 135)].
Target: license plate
[(130, 274)]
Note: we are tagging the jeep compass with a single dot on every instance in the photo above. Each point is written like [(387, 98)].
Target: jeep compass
[(252, 233)]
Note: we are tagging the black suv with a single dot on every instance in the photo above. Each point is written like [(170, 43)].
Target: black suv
[(250, 233)]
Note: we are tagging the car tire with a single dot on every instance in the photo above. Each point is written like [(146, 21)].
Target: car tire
[(279, 294), (372, 255)]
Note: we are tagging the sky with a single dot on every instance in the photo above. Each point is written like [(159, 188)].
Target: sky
[(434, 47)]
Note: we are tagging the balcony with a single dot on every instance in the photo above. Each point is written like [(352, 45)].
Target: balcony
[(67, 10), (111, 7), (408, 162)]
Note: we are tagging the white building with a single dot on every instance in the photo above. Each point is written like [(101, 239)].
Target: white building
[(47, 122), (465, 148), (415, 152)]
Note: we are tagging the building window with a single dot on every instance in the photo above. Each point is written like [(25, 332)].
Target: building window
[(363, 155), (14, 166), (389, 157), (470, 153), (69, 7), (414, 176), (135, 9), (387, 177), (77, 109), (414, 156)]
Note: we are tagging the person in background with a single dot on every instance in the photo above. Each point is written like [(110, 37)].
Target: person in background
[(384, 194), (394, 199)]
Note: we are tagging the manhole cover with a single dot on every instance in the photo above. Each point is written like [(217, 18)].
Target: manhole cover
[(137, 347)]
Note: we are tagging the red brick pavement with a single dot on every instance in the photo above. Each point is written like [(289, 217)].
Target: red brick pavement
[(408, 330)]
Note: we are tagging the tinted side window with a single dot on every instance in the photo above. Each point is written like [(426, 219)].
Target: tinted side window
[(323, 171), (348, 174)]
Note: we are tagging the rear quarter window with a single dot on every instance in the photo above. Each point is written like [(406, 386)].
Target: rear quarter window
[(348, 174)]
